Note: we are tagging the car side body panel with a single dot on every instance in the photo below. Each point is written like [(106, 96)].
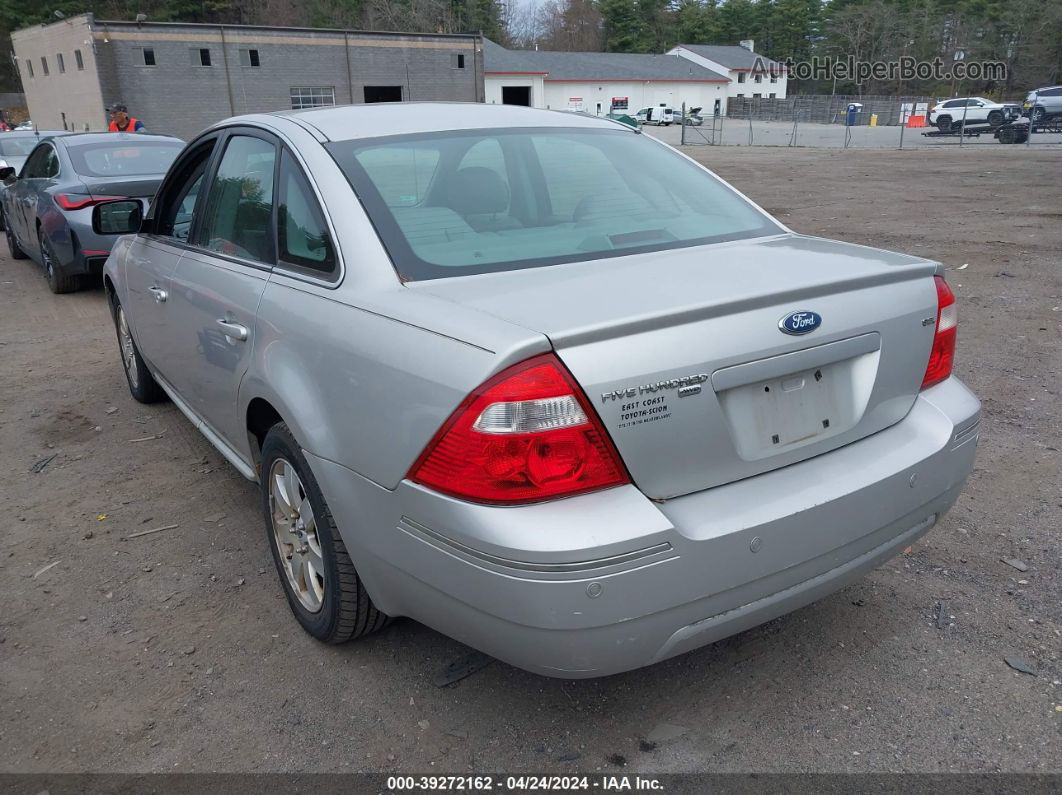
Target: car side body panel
[(394, 383)]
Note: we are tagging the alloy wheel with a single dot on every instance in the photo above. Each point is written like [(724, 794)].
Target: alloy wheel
[(295, 534), (125, 339)]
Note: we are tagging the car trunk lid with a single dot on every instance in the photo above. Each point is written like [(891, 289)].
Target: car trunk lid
[(682, 354)]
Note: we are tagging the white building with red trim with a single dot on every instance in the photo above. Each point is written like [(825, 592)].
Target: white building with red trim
[(598, 82)]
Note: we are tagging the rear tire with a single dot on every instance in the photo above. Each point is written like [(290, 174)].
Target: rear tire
[(944, 124), (58, 282), (1038, 115), (323, 588), (142, 384), (13, 247)]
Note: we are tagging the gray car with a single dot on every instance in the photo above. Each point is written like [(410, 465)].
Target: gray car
[(580, 415), (47, 205), (15, 147)]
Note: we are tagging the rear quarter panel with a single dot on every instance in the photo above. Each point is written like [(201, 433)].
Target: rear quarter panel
[(359, 387)]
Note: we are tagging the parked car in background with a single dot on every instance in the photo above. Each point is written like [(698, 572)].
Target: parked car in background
[(660, 116), (580, 415), (47, 206), (26, 125), (15, 146), (692, 118), (1043, 104), (949, 114)]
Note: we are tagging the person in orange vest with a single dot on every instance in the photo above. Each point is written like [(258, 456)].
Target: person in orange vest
[(121, 121)]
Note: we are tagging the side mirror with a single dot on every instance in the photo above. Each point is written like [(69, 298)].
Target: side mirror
[(121, 217), (7, 174)]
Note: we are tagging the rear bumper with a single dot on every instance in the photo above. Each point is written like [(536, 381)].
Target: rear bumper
[(611, 581)]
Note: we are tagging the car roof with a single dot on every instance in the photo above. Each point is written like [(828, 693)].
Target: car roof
[(346, 122), (77, 139), (33, 134)]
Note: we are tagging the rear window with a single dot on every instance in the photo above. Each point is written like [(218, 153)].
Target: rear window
[(124, 158), (480, 201)]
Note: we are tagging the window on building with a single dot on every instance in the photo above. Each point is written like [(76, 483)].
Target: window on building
[(59, 60), (29, 67), (757, 96), (740, 96), (774, 78), (312, 97), (149, 56), (457, 60), (249, 58), (773, 96), (741, 77), (759, 78), (44, 65), (79, 60), (200, 56)]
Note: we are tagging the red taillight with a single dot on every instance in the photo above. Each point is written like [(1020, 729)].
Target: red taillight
[(77, 201), (942, 354), (527, 434)]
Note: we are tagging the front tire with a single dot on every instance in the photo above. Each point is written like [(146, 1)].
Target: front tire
[(142, 384), (323, 588)]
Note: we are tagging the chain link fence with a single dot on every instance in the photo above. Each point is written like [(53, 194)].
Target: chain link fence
[(827, 108), (824, 121)]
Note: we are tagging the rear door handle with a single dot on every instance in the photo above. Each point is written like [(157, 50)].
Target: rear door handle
[(160, 294), (233, 330)]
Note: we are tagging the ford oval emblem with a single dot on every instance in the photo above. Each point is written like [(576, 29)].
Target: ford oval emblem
[(802, 322)]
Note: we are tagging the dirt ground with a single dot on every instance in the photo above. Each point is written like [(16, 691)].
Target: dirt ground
[(175, 651)]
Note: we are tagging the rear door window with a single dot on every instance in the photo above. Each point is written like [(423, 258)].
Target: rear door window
[(238, 217)]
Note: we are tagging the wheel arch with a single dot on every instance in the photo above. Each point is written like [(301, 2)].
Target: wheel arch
[(260, 416)]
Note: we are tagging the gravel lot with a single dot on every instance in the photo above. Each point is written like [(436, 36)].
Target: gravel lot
[(176, 650)]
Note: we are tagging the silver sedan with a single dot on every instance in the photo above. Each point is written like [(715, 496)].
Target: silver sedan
[(535, 379)]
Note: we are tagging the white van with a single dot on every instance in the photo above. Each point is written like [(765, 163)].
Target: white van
[(659, 115)]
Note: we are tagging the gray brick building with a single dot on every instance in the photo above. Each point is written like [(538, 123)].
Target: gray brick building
[(178, 77)]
